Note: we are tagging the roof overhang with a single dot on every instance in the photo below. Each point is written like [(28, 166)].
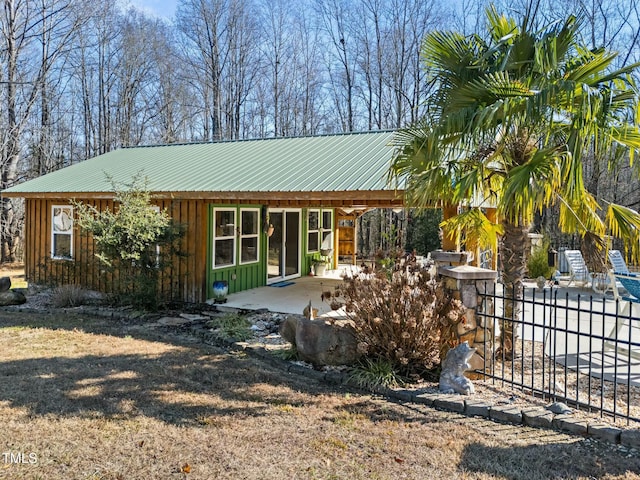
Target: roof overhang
[(348, 199)]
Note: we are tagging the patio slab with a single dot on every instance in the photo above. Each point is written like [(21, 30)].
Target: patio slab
[(292, 298)]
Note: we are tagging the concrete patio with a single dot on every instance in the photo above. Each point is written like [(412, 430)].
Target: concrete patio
[(294, 295)]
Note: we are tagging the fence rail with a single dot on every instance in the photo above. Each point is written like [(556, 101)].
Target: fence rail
[(570, 346)]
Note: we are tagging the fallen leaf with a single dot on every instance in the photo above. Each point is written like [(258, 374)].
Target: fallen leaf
[(186, 468), (398, 460)]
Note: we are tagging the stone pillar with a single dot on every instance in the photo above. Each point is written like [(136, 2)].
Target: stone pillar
[(474, 287)]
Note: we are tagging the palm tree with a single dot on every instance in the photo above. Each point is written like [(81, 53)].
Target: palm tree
[(507, 126)]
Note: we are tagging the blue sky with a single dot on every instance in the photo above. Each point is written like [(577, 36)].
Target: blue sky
[(159, 8)]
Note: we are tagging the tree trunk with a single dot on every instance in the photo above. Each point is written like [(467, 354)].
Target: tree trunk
[(513, 256)]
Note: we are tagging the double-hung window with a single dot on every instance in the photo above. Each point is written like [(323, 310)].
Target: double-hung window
[(224, 237), (319, 228), (249, 235), (327, 228), (236, 236), (62, 232), (313, 231)]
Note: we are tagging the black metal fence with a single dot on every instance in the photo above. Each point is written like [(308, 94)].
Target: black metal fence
[(569, 346)]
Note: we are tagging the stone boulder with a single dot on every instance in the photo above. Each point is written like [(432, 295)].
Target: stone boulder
[(320, 341), (288, 328), (12, 297), (5, 284)]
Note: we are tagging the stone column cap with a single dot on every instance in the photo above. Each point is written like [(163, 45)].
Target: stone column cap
[(468, 272), (440, 256)]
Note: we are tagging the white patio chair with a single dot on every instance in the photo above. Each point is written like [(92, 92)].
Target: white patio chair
[(617, 262), (578, 271), (619, 266)]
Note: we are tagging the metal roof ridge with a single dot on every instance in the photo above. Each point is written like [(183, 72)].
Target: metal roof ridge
[(257, 139)]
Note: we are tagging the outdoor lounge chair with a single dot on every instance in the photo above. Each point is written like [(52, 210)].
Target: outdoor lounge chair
[(619, 266), (578, 271), (627, 323), (617, 262)]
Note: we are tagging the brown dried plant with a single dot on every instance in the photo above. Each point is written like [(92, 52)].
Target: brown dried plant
[(402, 314)]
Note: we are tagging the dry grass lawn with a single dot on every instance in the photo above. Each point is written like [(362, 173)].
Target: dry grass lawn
[(88, 398)]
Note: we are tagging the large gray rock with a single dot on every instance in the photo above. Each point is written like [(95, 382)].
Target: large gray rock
[(5, 284), (288, 328), (12, 297), (321, 342)]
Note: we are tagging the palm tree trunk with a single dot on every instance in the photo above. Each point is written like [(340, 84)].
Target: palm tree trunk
[(515, 244)]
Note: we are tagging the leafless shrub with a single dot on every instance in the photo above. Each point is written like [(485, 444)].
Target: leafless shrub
[(403, 315), (69, 295)]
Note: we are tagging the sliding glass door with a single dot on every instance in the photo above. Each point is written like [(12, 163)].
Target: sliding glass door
[(284, 245)]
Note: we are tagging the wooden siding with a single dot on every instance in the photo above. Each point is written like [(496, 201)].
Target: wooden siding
[(184, 280)]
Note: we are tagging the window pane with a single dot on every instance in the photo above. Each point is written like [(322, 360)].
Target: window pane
[(313, 242), (326, 219), (223, 252), (62, 246), (249, 222), (62, 219), (327, 243), (313, 219), (225, 223), (249, 250)]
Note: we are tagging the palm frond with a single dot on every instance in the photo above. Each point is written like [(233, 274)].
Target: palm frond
[(531, 186), (474, 226), (580, 216), (624, 222)]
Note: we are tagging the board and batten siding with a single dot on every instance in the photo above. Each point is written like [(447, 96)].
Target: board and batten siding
[(185, 280), (238, 277)]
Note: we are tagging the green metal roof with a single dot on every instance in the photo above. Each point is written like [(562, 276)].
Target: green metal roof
[(346, 162)]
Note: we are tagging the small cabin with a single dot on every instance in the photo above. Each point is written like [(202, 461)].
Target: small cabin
[(255, 211)]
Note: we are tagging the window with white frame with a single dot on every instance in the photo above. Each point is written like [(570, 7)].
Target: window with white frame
[(224, 237), (62, 232), (313, 231), (327, 228), (249, 235)]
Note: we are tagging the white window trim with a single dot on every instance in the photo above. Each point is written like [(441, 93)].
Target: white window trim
[(315, 230), (253, 235), (226, 237), (322, 227), (54, 233)]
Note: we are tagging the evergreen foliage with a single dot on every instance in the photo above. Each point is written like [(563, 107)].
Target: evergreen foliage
[(134, 243), (423, 231)]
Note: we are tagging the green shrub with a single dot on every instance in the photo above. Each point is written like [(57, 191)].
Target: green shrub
[(134, 243), (538, 263), (232, 326), (376, 372), (401, 317)]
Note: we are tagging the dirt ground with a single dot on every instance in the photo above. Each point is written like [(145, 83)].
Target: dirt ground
[(94, 398)]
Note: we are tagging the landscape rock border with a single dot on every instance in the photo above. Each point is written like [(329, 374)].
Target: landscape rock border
[(526, 416)]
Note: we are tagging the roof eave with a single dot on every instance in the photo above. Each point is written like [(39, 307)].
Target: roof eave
[(353, 197)]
